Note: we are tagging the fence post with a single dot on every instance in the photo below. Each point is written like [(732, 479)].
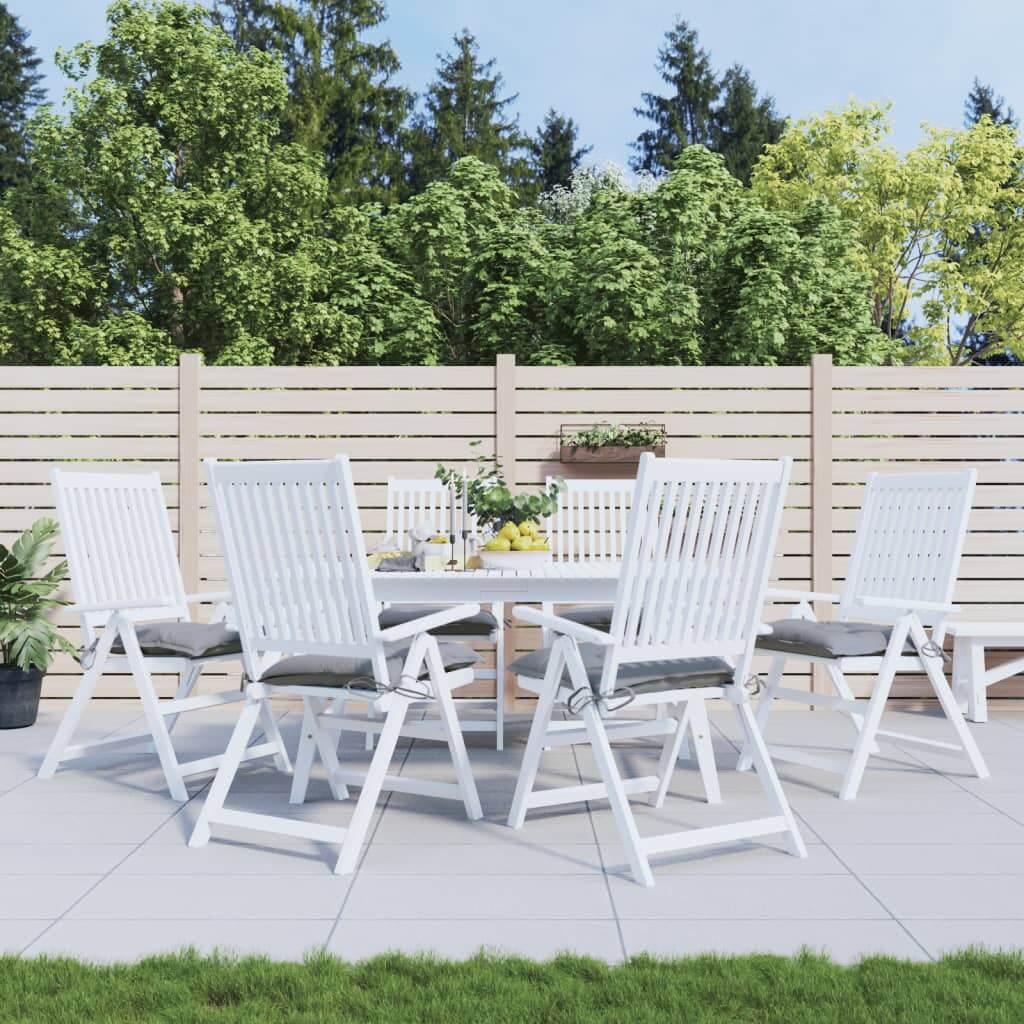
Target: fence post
[(821, 492), (189, 368), (505, 453)]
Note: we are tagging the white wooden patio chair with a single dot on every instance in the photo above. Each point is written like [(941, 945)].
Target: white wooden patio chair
[(135, 617), (891, 618), (409, 502), (695, 567), (296, 561)]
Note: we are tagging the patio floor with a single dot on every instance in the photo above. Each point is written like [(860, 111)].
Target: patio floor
[(93, 863)]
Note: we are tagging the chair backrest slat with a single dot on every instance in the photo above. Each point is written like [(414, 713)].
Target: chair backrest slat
[(119, 543), (296, 561), (589, 520), (410, 502), (909, 541), (699, 546)]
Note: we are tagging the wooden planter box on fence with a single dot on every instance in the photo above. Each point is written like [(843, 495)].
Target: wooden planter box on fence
[(608, 453)]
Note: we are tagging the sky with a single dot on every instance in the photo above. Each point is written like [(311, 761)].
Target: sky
[(591, 59)]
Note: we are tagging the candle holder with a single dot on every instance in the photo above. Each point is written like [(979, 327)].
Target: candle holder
[(453, 563)]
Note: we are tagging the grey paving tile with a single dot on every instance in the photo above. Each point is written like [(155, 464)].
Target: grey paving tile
[(259, 855), (739, 897), (205, 897), (402, 825), (854, 826), (65, 827), (61, 858), (16, 935), (539, 940), (963, 859), (949, 897), (129, 940), (464, 897), (35, 896), (113, 800), (741, 858), (942, 937), (508, 858), (844, 940)]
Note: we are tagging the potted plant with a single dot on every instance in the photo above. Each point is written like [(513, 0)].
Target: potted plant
[(607, 442), (511, 521), (27, 637)]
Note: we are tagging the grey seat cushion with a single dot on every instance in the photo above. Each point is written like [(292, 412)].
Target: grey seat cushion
[(481, 624), (324, 670), (184, 640), (647, 677), (596, 616), (828, 639)]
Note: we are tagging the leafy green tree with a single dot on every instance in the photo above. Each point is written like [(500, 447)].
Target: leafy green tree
[(685, 117), (344, 104), (555, 153), (743, 123), (466, 115), (982, 101), (165, 215), (20, 91)]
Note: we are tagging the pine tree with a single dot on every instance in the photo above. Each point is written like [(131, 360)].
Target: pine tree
[(465, 116), (685, 117), (981, 101), (554, 154), (743, 123), (344, 103), (20, 91)]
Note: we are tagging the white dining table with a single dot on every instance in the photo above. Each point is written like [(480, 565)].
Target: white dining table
[(557, 582)]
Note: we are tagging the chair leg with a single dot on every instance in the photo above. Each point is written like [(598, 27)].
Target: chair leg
[(355, 834), (949, 705), (876, 707), (617, 796), (69, 723), (304, 755), (769, 779), (457, 749), (764, 709), (226, 772), (704, 748), (273, 734), (327, 748), (842, 688), (670, 755), (154, 719), (186, 685), (531, 758), (499, 677)]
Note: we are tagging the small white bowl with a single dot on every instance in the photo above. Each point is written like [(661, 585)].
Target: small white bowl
[(514, 559)]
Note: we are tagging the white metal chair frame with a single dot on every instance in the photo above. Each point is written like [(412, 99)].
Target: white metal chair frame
[(409, 501), (902, 572), (296, 560), (124, 571), (694, 572)]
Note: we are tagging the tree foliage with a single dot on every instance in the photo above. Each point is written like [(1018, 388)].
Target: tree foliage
[(982, 101), (20, 91), (555, 152), (724, 114)]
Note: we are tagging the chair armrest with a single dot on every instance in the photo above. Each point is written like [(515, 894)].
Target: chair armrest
[(566, 627), (802, 595), (425, 623), (120, 606), (212, 597), (908, 604)]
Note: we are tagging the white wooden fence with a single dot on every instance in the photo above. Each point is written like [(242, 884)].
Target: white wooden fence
[(838, 423)]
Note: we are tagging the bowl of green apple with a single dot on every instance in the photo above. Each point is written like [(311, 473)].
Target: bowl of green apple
[(516, 546)]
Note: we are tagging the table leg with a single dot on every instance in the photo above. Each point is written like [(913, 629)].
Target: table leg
[(977, 700)]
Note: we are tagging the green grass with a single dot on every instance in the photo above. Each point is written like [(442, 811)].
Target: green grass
[(968, 987)]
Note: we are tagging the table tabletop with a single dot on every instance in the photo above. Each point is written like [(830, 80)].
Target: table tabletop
[(559, 582), (994, 631)]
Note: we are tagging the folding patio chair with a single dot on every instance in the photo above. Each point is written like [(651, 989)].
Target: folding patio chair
[(410, 502), (134, 615), (899, 585), (694, 571), (309, 626)]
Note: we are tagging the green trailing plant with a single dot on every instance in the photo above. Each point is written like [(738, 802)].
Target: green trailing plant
[(28, 638), (621, 435), (490, 499)]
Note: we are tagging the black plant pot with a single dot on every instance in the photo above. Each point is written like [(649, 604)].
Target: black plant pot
[(19, 696)]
